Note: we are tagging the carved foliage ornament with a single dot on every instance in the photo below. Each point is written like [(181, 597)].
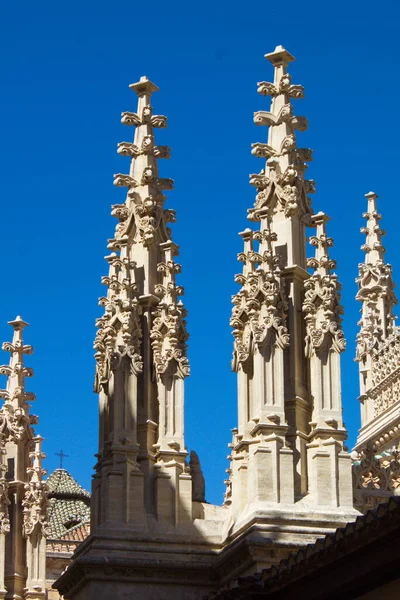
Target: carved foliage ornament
[(375, 288), (385, 369), (15, 422), (371, 334), (375, 476), (284, 87), (119, 329), (387, 360), (4, 497), (111, 359), (35, 508), (375, 275), (387, 396), (35, 500), (143, 211), (286, 189), (259, 314), (321, 305), (168, 332), (145, 218), (147, 147), (322, 314), (168, 338), (146, 117), (281, 191), (148, 216), (285, 115)]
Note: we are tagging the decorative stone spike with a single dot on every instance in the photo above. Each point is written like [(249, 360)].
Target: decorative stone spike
[(327, 460), (373, 246), (288, 479), (279, 407), (24, 547), (378, 337), (141, 342), (375, 286), (14, 414), (322, 295), (281, 182), (259, 319), (260, 308), (35, 526), (4, 512)]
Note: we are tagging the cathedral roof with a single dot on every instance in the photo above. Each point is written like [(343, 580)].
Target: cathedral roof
[(342, 549), (69, 506), (77, 533), (61, 484)]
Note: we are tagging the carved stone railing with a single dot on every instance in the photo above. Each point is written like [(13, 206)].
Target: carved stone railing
[(387, 359), (376, 477), (386, 374)]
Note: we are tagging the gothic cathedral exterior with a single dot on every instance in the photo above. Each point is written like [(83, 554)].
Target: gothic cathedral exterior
[(291, 479)]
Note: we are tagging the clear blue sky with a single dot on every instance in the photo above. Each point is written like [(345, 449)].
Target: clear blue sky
[(64, 82)]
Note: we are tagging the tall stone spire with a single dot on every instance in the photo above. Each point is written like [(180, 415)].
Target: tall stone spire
[(259, 320), (289, 480), (287, 331), (323, 322), (141, 343), (4, 512), (377, 324), (375, 291), (15, 414), (25, 543), (324, 343), (35, 525), (281, 186)]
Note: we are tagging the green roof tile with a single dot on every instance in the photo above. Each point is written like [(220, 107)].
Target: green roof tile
[(69, 503)]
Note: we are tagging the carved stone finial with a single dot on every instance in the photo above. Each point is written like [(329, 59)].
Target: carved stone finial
[(378, 340), (18, 323), (168, 334), (281, 182), (375, 285), (278, 301), (35, 500), (144, 87), (321, 263), (373, 246), (279, 56), (140, 345), (142, 222), (322, 295), (260, 308), (14, 414)]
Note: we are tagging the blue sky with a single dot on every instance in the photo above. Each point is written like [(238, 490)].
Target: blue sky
[(64, 82)]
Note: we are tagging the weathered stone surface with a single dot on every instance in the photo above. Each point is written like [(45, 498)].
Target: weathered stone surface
[(376, 454), (290, 475), (289, 482), (23, 493)]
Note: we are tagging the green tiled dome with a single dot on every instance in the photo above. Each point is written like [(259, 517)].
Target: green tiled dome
[(69, 503)]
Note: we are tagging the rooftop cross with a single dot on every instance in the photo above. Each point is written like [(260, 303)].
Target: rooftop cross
[(61, 455)]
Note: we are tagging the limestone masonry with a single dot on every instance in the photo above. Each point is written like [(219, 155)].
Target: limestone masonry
[(291, 479)]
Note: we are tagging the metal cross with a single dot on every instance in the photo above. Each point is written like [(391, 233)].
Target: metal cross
[(61, 455)]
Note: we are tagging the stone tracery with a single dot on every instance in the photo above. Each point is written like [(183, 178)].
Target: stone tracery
[(23, 521), (289, 468)]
